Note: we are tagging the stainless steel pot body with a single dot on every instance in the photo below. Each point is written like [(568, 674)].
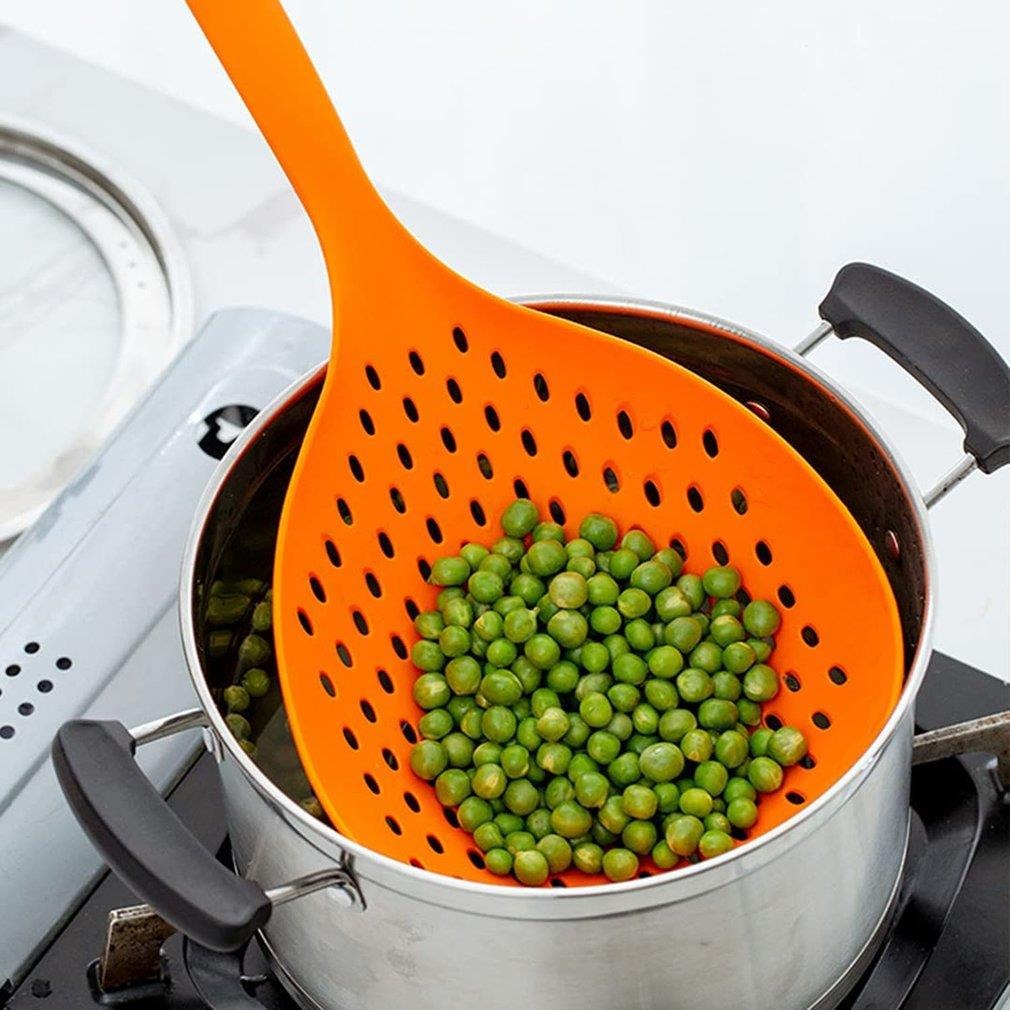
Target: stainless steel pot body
[(782, 922)]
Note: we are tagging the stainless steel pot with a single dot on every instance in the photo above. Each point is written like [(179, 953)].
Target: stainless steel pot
[(785, 921)]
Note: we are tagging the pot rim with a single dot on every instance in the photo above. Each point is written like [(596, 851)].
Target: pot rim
[(706, 875)]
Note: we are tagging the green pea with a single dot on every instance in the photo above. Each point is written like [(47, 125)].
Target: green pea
[(542, 650), (712, 777), (665, 661), (527, 735), (599, 530), (787, 746), (449, 571), (458, 613), (571, 819), (622, 563), (749, 712), (543, 699), (240, 728), (738, 788), (236, 698), (725, 630), (568, 628), (553, 724), (639, 542), (603, 746), (521, 797), (761, 618), (515, 761), (762, 648), (616, 645), (431, 691), (498, 724), (760, 683), (594, 657), (436, 724), (706, 656), (624, 770), (489, 781), (640, 836), (621, 726), (463, 675), (459, 749), (651, 576), (630, 669), (510, 548), (639, 635), (691, 586), (623, 697), (546, 557), (673, 725), (452, 786), (605, 620), (696, 745), (496, 564), (669, 557), (473, 554), (759, 741), (557, 851), (428, 759), (485, 587), (488, 836), (645, 719), (528, 675), (554, 758), (714, 843), (612, 815), (527, 587), (530, 866), (548, 531), (578, 731), (501, 652), (715, 713), (683, 834), (694, 685), (738, 657), (562, 677), (696, 801), (256, 681), (634, 602), (728, 606), (683, 632), (588, 857), (663, 856), (538, 823), (731, 749), (592, 789), (489, 626), (764, 775), (519, 518), (453, 641), (595, 710), (726, 686), (620, 864), (717, 821), (721, 581), (487, 753), (668, 796), (661, 695), (499, 861), (427, 655), (741, 812), (661, 762), (428, 624), (559, 790), (671, 604)]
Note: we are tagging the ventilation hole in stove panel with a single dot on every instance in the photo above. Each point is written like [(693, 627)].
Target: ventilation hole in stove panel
[(390, 758), (357, 470), (396, 497), (385, 681), (13, 670), (448, 439), (669, 434), (32, 647), (786, 597), (624, 425), (450, 816), (328, 687), (807, 762), (367, 711), (317, 589), (742, 597), (413, 804), (303, 620), (792, 682), (476, 858), (352, 740), (582, 407), (344, 511), (837, 675), (360, 622), (398, 646), (424, 569), (610, 480), (810, 636), (410, 409), (520, 488), (345, 654), (529, 442), (373, 377), (404, 456), (367, 424), (6, 732), (498, 365), (452, 388), (720, 553), (570, 462), (710, 443), (541, 388), (820, 720), (557, 882), (434, 530), (772, 721), (492, 418), (441, 485), (408, 731), (795, 797), (373, 584), (26, 708), (484, 466), (332, 553), (652, 493), (459, 339), (373, 786), (385, 544), (557, 511), (416, 362), (739, 501), (677, 545), (412, 608), (695, 499), (435, 844), (44, 686), (763, 552), (477, 511)]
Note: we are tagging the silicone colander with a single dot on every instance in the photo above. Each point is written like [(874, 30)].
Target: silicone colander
[(441, 404)]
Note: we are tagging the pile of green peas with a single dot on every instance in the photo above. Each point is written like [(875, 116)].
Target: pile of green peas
[(589, 704)]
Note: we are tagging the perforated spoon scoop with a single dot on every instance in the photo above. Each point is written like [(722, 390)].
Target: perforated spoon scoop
[(441, 403)]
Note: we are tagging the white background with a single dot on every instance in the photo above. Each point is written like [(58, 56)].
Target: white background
[(726, 156)]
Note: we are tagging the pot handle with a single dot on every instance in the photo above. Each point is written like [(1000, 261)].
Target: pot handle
[(935, 345), (141, 838)]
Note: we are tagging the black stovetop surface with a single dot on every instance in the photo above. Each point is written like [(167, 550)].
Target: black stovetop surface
[(948, 948)]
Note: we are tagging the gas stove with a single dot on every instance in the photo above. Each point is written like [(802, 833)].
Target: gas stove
[(86, 630)]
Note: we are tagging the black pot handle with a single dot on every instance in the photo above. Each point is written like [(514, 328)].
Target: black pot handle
[(141, 838), (935, 345)]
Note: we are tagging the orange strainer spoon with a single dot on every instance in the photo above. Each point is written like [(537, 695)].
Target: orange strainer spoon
[(441, 403)]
